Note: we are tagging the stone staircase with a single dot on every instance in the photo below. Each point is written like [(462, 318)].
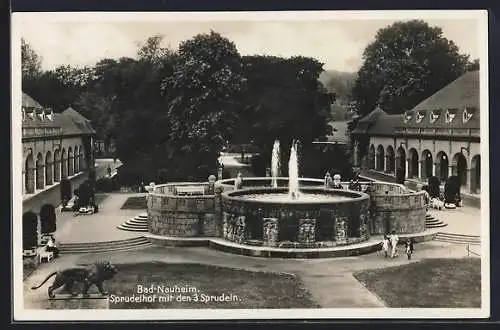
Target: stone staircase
[(109, 246), (431, 222), (139, 223), (458, 238)]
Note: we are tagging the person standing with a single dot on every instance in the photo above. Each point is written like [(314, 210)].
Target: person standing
[(394, 243), (385, 246), (409, 247)]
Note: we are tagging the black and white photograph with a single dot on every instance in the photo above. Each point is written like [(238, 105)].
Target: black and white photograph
[(250, 165)]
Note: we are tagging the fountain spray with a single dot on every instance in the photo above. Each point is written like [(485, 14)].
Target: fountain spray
[(293, 172), (275, 164)]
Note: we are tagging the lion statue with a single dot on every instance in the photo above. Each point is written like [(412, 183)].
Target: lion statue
[(94, 274)]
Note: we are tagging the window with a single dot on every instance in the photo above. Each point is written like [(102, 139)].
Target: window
[(467, 114), (450, 115), (420, 116), (434, 115)]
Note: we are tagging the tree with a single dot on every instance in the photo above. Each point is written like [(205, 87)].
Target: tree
[(406, 63), (474, 65), (31, 62), (203, 94), (283, 100)]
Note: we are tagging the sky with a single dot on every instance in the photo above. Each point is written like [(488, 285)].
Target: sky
[(337, 42)]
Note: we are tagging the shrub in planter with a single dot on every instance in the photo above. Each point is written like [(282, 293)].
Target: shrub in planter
[(434, 183), (30, 233), (65, 188), (452, 190), (47, 219)]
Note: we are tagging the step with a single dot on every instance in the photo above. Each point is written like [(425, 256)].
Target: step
[(141, 217), (104, 243), (138, 230), (134, 225), (455, 241), (459, 235), (440, 225), (136, 221), (459, 239), (126, 248), (90, 248)]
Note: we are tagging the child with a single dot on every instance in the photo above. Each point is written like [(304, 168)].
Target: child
[(409, 248), (385, 246)]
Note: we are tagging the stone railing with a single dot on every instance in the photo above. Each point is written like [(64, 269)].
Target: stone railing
[(170, 214), (396, 208), (265, 182), (173, 189)]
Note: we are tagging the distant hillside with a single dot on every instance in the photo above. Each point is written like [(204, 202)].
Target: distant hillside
[(339, 82)]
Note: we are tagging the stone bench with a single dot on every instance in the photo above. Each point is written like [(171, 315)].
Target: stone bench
[(190, 190)]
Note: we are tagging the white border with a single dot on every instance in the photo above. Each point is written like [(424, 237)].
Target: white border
[(21, 314)]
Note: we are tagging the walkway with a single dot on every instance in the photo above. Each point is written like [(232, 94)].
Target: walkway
[(98, 227), (330, 281)]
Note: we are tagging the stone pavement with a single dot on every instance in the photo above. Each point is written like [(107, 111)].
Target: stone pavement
[(465, 220), (98, 227), (330, 281)]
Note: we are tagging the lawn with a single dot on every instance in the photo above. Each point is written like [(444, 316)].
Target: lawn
[(242, 289), (431, 283), (135, 203)]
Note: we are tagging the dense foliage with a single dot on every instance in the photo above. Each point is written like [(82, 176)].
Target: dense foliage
[(406, 63)]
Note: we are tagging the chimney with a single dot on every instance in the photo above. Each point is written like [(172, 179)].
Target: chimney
[(42, 115), (50, 115)]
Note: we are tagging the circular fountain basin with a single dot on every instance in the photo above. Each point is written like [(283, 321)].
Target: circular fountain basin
[(319, 217)]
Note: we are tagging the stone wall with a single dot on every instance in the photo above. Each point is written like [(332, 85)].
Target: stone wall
[(395, 208), (181, 216), (296, 224)]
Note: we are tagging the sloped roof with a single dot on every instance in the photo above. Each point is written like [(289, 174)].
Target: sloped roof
[(70, 121), (459, 95), (373, 116), (386, 125), (29, 102)]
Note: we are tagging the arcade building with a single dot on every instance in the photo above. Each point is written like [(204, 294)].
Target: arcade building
[(54, 146), (438, 137)]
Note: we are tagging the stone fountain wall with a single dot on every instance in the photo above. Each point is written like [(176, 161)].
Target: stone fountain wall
[(332, 223), (395, 208), (181, 216)]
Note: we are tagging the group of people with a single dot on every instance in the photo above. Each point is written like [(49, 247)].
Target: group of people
[(390, 243)]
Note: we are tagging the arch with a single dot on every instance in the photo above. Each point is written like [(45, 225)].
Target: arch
[(475, 175), (390, 160), (380, 163), (57, 166), (47, 219), (371, 157), (48, 169), (64, 164), (427, 164), (40, 180), (30, 230), (459, 168), (442, 166), (75, 161), (29, 175), (413, 163), (70, 162), (401, 162)]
